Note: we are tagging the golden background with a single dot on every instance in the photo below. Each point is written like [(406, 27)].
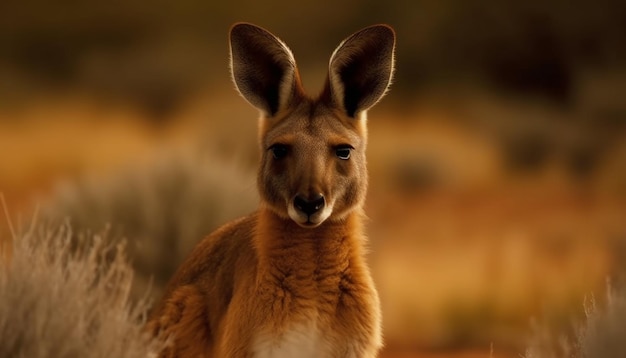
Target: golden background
[(497, 197)]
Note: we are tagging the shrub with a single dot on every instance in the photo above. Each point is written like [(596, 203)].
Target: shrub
[(64, 298), (164, 208)]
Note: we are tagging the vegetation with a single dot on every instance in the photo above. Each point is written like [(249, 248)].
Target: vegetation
[(162, 208), (68, 299), (600, 335)]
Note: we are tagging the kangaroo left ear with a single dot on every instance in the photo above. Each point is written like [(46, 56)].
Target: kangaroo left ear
[(361, 69)]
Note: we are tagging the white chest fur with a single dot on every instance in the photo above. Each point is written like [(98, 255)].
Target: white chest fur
[(303, 341)]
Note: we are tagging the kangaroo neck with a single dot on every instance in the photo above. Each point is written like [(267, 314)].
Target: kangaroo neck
[(285, 247)]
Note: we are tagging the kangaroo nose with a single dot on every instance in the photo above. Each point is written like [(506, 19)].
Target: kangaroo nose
[(309, 205)]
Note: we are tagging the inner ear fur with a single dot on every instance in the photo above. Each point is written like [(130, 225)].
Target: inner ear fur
[(361, 69)]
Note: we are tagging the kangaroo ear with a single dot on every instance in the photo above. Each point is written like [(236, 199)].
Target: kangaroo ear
[(361, 69), (262, 68)]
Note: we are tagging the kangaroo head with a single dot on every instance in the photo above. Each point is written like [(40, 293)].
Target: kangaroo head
[(313, 164)]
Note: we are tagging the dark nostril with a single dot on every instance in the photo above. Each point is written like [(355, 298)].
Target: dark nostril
[(309, 206)]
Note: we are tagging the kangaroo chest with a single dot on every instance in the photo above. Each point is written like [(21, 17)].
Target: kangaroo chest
[(301, 316), (299, 340), (310, 288)]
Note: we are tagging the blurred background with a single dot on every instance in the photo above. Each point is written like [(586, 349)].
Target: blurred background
[(497, 200)]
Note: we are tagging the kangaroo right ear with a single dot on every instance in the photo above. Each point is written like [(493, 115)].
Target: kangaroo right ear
[(262, 68)]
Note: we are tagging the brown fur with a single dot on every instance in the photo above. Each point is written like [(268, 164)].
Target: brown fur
[(283, 276)]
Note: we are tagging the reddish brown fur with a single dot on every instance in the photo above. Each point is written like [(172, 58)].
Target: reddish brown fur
[(280, 279)]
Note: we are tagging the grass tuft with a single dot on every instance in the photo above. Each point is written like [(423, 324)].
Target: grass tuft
[(66, 297), (600, 335)]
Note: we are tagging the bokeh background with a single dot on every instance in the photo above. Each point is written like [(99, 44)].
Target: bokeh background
[(498, 160)]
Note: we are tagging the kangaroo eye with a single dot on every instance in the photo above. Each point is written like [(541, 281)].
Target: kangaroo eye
[(343, 152), (279, 150)]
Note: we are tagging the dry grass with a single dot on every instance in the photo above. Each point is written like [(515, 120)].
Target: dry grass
[(599, 335), (65, 300)]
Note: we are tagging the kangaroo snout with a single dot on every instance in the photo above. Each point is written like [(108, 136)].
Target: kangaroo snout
[(309, 204), (309, 210)]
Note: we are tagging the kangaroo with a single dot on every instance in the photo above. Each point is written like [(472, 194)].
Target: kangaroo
[(290, 280)]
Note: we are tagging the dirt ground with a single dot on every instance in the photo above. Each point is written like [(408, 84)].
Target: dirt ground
[(447, 354)]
